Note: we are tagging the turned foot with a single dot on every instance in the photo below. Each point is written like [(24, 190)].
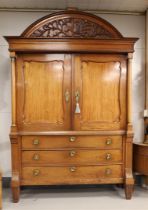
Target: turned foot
[(15, 194), (129, 188)]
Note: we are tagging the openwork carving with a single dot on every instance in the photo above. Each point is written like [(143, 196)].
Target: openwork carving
[(72, 28)]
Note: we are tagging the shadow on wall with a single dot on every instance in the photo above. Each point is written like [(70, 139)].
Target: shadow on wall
[(5, 83), (5, 158), (4, 146), (138, 101)]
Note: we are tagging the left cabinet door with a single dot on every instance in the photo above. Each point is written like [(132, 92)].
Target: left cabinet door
[(43, 92)]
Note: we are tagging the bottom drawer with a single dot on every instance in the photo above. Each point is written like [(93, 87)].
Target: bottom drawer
[(71, 175)]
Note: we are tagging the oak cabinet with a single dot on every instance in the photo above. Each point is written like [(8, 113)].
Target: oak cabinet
[(71, 99)]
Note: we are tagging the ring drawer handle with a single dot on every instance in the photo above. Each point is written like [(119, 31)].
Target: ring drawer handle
[(36, 141), (108, 156), (72, 169), (36, 157), (72, 153), (108, 171), (36, 172), (72, 138), (108, 141)]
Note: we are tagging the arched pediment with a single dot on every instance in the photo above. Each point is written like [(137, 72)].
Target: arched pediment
[(71, 25)]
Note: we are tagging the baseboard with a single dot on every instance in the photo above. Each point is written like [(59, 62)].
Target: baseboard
[(6, 182)]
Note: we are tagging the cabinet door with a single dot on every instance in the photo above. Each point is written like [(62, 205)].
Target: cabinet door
[(99, 92), (44, 92)]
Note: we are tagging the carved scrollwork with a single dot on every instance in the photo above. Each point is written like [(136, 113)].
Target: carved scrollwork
[(71, 28)]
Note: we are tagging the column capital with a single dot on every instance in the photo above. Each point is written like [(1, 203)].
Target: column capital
[(12, 55), (130, 55)]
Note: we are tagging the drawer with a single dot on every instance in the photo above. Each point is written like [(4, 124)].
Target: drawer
[(73, 156), (51, 142), (71, 175)]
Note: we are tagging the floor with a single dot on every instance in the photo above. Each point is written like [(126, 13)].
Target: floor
[(76, 198)]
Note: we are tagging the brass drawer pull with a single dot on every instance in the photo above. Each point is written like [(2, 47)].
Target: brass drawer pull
[(72, 153), (36, 141), (108, 141), (36, 172), (108, 156), (108, 171), (36, 157), (72, 138), (72, 169)]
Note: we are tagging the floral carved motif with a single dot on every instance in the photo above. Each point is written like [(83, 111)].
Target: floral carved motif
[(71, 28)]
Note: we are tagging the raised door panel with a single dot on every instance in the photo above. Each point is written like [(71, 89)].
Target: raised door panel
[(42, 82), (100, 82)]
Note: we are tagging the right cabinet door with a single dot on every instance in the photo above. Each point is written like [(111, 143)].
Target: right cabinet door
[(99, 92)]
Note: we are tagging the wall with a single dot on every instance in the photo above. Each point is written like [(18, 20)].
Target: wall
[(13, 23)]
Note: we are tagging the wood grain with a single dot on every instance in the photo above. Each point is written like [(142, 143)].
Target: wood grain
[(100, 79), (63, 175), (71, 156), (85, 25), (129, 76), (13, 87), (140, 158), (41, 101), (39, 77), (58, 142)]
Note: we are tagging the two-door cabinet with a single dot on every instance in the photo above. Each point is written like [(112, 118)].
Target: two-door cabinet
[(71, 103)]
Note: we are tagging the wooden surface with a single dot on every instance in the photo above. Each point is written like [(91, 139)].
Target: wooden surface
[(85, 23), (44, 80), (57, 142), (98, 46), (146, 79), (141, 158), (71, 175), (71, 156), (71, 89), (107, 74), (146, 72), (13, 87)]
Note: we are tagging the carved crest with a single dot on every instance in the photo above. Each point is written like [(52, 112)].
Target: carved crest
[(72, 28), (72, 24)]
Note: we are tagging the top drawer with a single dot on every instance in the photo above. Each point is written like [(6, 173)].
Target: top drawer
[(51, 142)]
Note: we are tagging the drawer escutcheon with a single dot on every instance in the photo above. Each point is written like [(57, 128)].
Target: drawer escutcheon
[(108, 141), (108, 171), (108, 156), (36, 157), (36, 172), (72, 138), (72, 153), (36, 141), (72, 169)]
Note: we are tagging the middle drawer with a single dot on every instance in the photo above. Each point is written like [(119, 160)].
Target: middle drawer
[(72, 156)]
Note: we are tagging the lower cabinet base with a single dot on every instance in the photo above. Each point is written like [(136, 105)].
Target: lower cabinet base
[(81, 182), (41, 160), (128, 190), (73, 175), (15, 194)]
